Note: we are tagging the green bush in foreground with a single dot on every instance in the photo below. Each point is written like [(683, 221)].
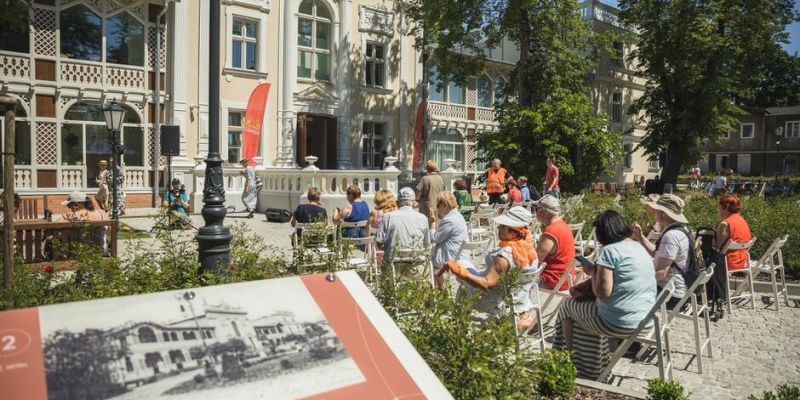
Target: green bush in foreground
[(659, 389), (555, 374), (785, 392)]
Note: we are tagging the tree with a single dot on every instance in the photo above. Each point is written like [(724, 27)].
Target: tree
[(548, 109), (779, 83), (701, 59), (78, 365)]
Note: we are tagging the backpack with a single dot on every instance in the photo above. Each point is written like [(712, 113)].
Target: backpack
[(692, 264), (717, 285)]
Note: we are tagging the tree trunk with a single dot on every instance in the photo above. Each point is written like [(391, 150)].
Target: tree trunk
[(524, 51), (676, 152)]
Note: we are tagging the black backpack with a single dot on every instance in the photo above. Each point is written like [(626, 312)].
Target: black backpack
[(692, 265), (717, 285)]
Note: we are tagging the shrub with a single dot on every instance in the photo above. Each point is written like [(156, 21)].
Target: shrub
[(286, 364), (199, 378), (231, 368), (659, 389), (555, 374), (785, 392)]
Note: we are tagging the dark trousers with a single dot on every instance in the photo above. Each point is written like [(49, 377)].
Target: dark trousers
[(494, 198)]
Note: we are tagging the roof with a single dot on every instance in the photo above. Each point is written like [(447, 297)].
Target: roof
[(790, 110)]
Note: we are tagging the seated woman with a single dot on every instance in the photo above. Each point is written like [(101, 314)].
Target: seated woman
[(75, 203), (514, 194), (356, 210), (448, 235), (732, 228), (463, 197), (624, 290), (516, 251), (311, 212), (384, 202)]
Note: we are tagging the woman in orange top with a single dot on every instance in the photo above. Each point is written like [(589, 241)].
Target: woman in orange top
[(732, 228), (556, 246)]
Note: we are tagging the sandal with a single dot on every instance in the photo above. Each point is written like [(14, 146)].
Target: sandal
[(525, 322)]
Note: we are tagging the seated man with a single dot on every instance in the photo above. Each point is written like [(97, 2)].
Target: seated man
[(556, 246), (178, 202), (404, 228)]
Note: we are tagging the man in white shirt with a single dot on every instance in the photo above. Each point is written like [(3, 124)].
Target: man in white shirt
[(404, 228), (720, 183), (671, 251)]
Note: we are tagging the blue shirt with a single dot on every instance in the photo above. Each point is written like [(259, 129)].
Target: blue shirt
[(634, 290), (448, 237), (526, 193), (359, 211)]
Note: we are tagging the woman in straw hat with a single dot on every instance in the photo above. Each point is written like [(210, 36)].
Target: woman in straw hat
[(516, 251), (250, 191), (76, 212)]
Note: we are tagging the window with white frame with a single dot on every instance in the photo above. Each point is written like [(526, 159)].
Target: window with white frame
[(372, 144), (616, 106), (235, 123), (314, 41), (375, 67), (792, 129), (746, 130), (456, 93), (652, 164), (484, 89), (445, 144), (244, 44), (436, 88)]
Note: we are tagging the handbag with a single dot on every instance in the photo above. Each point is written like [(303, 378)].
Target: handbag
[(583, 291)]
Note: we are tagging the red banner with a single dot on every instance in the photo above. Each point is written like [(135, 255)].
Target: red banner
[(253, 120), (419, 138)]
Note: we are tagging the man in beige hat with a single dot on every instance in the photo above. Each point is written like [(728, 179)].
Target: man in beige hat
[(671, 250)]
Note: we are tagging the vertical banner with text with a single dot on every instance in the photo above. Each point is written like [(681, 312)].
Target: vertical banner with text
[(253, 121)]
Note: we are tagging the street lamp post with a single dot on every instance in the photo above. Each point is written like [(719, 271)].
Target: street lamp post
[(188, 296), (114, 115), (214, 238), (778, 163)]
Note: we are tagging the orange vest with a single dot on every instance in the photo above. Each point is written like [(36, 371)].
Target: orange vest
[(739, 232), (496, 181)]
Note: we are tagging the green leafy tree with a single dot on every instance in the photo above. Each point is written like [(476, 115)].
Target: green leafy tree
[(78, 365), (700, 58), (548, 109), (778, 85)]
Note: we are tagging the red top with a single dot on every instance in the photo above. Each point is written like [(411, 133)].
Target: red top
[(557, 263), (495, 180), (739, 232), (550, 176), (514, 195)]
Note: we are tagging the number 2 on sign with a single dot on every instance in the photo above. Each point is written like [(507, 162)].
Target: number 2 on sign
[(9, 343)]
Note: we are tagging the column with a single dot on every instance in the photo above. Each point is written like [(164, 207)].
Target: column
[(344, 82), (202, 80), (286, 115), (177, 44)]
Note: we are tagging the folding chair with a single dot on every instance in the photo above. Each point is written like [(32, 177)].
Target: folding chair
[(478, 248), (577, 234), (481, 225), (526, 277), (661, 337), (771, 263), (362, 260), (693, 313), (748, 270), (555, 292), (591, 247), (315, 241), (413, 258)]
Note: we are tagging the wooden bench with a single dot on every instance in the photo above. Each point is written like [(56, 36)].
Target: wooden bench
[(29, 209), (36, 240)]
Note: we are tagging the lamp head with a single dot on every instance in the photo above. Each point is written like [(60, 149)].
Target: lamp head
[(114, 115)]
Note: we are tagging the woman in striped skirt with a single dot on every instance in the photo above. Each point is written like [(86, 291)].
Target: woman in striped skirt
[(624, 287)]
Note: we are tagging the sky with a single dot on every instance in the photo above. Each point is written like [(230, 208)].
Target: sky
[(794, 30)]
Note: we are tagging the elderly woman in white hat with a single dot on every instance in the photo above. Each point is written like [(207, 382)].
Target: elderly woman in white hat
[(516, 251), (75, 204), (250, 191), (673, 245)]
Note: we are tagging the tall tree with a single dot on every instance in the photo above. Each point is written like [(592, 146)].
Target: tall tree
[(701, 58), (548, 109), (779, 83)]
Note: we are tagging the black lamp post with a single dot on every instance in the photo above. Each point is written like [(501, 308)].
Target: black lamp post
[(778, 163), (214, 238), (114, 115)]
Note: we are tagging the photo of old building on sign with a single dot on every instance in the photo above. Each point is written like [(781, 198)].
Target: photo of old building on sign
[(252, 340)]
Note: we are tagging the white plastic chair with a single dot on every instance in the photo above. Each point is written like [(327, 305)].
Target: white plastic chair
[(577, 235), (661, 337), (696, 310), (413, 258), (772, 263), (591, 247), (532, 276), (320, 251), (748, 270), (362, 260), (556, 292), (481, 225)]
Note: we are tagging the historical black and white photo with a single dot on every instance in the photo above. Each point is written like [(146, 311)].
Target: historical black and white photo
[(254, 340)]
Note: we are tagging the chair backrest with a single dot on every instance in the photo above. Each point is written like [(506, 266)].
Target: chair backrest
[(479, 245), (353, 224), (29, 209), (577, 231), (704, 277), (367, 241), (731, 245), (666, 294), (320, 228), (773, 250)]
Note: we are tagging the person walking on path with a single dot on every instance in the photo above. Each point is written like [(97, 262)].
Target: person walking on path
[(428, 189), (496, 177), (250, 191), (551, 178)]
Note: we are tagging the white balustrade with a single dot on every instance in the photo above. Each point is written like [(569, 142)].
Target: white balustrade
[(134, 178), (15, 67), (81, 73), (125, 77), (72, 178), (484, 114), (23, 179)]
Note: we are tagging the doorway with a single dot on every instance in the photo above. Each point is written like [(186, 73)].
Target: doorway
[(316, 135)]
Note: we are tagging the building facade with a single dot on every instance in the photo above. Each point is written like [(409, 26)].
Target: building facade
[(767, 142)]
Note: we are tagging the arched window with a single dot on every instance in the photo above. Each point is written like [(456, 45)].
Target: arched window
[(81, 33), (146, 335), (484, 88), (124, 40), (446, 144), (85, 140), (314, 41)]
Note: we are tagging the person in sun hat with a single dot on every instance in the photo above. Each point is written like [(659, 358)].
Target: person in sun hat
[(75, 202), (516, 251), (250, 191), (403, 229), (671, 251), (556, 245)]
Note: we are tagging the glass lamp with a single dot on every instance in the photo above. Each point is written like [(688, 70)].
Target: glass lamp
[(114, 114)]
